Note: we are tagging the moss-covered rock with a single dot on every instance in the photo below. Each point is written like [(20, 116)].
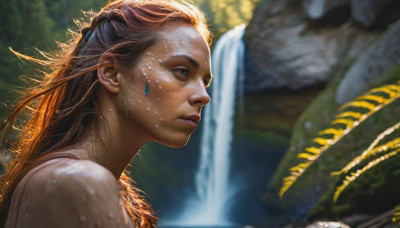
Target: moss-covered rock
[(314, 190)]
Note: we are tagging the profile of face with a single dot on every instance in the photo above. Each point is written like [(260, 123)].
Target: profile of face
[(162, 95)]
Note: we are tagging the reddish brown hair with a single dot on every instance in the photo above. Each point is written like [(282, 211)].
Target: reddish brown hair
[(63, 104)]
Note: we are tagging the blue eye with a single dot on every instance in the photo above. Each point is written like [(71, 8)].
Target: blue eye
[(181, 73)]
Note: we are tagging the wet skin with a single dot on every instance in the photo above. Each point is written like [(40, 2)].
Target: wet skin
[(174, 72), (177, 71)]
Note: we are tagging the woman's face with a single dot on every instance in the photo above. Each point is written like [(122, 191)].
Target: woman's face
[(162, 96)]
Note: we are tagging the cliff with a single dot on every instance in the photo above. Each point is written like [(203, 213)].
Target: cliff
[(339, 48)]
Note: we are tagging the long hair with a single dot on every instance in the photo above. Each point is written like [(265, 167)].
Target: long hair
[(63, 104)]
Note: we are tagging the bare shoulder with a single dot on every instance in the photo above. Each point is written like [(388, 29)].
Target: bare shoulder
[(70, 193)]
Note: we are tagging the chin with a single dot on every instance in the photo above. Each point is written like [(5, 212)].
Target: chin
[(177, 142)]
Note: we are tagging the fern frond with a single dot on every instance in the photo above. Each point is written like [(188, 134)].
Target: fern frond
[(347, 122), (313, 150), (355, 115), (376, 98), (353, 176), (344, 123), (373, 149), (360, 104), (322, 141), (396, 217), (331, 131)]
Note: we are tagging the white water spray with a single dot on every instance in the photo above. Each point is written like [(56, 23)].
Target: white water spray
[(214, 191)]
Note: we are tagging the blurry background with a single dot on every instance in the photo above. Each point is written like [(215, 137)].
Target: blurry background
[(303, 60)]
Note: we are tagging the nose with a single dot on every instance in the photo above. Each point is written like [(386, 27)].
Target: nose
[(199, 95)]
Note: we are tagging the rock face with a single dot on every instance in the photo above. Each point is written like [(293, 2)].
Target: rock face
[(370, 12), (382, 56), (293, 45), (348, 46)]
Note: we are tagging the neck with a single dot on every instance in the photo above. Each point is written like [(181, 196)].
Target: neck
[(109, 145)]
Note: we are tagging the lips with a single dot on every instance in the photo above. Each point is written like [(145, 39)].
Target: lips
[(191, 119)]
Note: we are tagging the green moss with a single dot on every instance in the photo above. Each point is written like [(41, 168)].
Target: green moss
[(269, 138), (317, 179)]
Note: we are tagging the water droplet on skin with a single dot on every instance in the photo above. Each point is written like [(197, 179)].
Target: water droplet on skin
[(109, 109), (118, 220), (148, 53), (148, 81), (110, 214), (149, 67), (90, 191), (155, 113), (160, 62), (157, 81), (140, 101), (156, 125), (148, 109), (160, 87), (53, 181), (152, 58), (82, 218), (158, 99), (161, 119), (165, 46)]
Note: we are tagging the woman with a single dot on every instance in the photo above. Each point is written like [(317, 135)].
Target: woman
[(137, 73)]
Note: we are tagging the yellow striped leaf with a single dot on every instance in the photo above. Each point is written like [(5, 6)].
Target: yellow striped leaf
[(313, 150), (353, 176), (359, 104), (331, 131), (376, 98), (322, 141), (356, 115), (347, 122)]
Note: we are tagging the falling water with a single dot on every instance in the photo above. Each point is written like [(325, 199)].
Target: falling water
[(211, 205)]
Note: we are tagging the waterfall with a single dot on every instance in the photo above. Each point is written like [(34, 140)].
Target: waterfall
[(213, 188)]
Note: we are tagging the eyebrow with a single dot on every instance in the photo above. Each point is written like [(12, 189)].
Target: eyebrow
[(190, 59)]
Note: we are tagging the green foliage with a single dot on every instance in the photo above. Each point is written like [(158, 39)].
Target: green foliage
[(354, 113), (223, 15)]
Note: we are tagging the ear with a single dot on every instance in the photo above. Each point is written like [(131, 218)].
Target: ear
[(107, 74)]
